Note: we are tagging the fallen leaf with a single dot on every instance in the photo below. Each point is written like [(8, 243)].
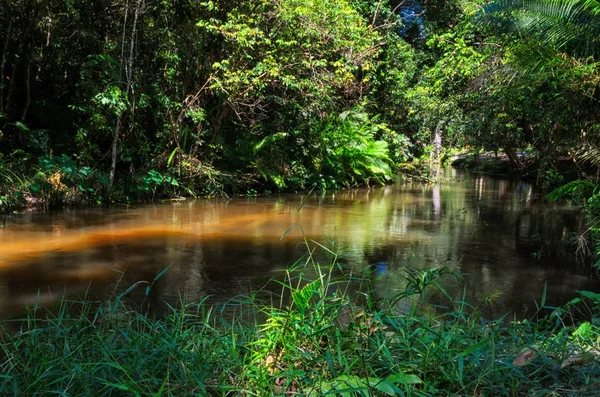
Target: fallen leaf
[(344, 318), (270, 364), (579, 359), (524, 357)]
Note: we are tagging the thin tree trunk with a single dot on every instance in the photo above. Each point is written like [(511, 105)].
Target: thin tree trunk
[(115, 145), (27, 88), (4, 52), (11, 86), (128, 89), (22, 53), (437, 143)]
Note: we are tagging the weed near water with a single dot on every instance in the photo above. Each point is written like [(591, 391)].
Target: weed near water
[(312, 339)]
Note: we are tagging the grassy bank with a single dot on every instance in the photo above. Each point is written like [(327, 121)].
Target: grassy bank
[(313, 339)]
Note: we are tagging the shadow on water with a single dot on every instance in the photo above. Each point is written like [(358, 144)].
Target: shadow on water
[(498, 233)]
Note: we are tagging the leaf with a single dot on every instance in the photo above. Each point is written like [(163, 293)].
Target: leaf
[(162, 272), (344, 317), (171, 181), (590, 295), (22, 126), (579, 359), (85, 171), (405, 379), (269, 140), (67, 165), (302, 297), (525, 356), (46, 163), (171, 156), (543, 302), (386, 387), (155, 176), (103, 178), (476, 346)]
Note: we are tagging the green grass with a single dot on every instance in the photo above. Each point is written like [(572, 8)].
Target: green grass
[(312, 339)]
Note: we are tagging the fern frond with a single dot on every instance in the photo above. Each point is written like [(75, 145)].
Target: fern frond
[(592, 6), (576, 190), (589, 154)]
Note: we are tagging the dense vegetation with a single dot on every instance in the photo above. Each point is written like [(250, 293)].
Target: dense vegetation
[(123, 100), (314, 339)]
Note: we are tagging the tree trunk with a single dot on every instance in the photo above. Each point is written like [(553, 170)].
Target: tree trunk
[(27, 89), (437, 143), (114, 149), (3, 63), (515, 161), (128, 89)]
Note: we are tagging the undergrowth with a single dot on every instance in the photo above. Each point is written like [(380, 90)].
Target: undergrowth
[(322, 335)]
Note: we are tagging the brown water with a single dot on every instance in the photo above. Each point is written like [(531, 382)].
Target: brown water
[(496, 232)]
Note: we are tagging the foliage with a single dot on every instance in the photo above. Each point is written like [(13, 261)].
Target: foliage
[(587, 195), (227, 97), (10, 182), (578, 190), (350, 153), (223, 96), (565, 25)]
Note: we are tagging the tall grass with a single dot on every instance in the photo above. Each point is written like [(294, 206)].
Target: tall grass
[(320, 336), (10, 185)]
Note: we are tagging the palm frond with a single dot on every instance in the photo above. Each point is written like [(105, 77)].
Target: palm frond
[(589, 154), (570, 26), (593, 6)]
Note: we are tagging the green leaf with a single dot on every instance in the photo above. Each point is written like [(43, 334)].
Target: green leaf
[(302, 297), (171, 181), (386, 387), (172, 156), (405, 379), (162, 272), (85, 171), (104, 178), (155, 176), (476, 347), (590, 295), (46, 163)]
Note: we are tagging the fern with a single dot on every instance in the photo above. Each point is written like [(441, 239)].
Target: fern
[(579, 190), (302, 296), (589, 154)]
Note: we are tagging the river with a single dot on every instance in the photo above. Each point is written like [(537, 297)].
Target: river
[(497, 232)]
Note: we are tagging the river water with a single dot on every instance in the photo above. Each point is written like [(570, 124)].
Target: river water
[(498, 233)]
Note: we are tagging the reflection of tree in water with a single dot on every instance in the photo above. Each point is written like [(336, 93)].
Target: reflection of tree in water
[(489, 231), (486, 228)]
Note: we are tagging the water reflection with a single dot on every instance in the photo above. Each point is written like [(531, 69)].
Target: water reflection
[(497, 232)]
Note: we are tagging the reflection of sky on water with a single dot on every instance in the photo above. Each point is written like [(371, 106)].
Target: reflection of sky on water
[(488, 229)]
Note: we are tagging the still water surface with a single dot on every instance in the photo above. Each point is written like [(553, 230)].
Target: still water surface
[(498, 233)]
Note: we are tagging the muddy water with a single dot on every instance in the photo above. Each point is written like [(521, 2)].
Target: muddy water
[(498, 233)]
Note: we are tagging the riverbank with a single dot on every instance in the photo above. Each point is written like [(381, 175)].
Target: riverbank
[(308, 341), (548, 174)]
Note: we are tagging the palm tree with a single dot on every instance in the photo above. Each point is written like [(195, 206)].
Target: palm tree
[(571, 27), (559, 36)]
